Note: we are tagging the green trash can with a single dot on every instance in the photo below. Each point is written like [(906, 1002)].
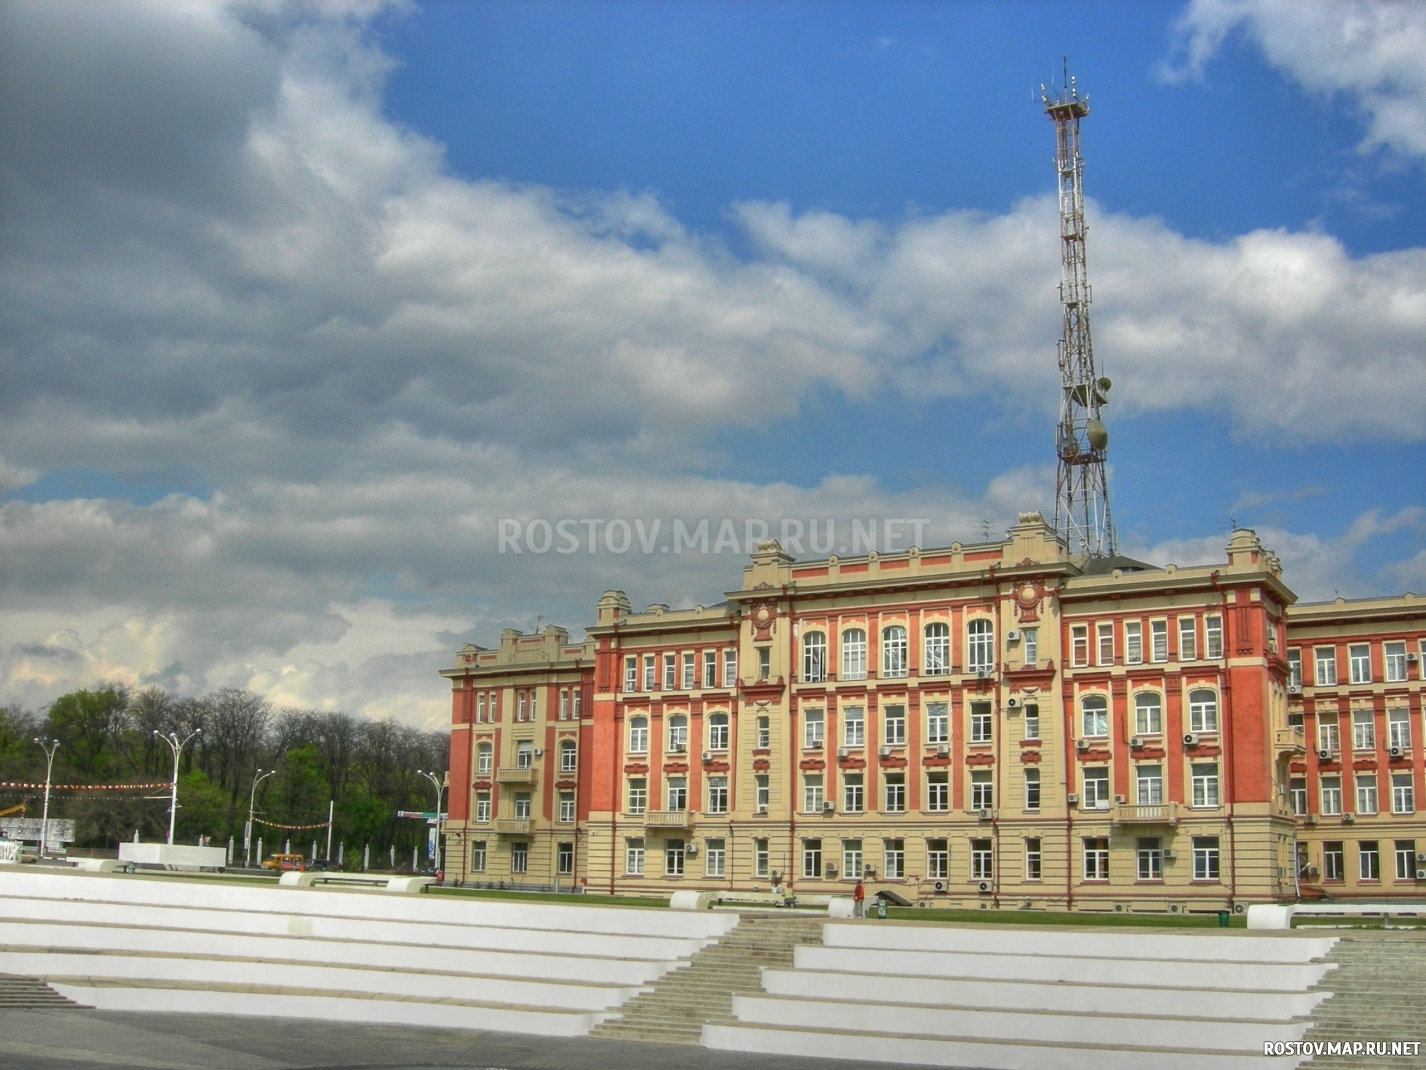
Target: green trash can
[(1222, 919), (881, 908)]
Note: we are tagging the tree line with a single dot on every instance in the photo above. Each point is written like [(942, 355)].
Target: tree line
[(106, 735)]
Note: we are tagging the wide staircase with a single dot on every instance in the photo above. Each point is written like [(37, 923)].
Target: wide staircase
[(1378, 994), (679, 1004), (29, 993)]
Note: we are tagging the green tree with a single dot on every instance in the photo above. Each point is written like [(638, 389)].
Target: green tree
[(301, 789), (89, 725), (204, 808)]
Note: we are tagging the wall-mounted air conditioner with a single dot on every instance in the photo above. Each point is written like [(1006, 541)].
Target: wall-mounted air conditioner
[(708, 756), (1119, 799), (983, 887), (985, 814), (1323, 754), (1294, 689), (1012, 636), (1411, 656), (1170, 854), (1310, 819), (828, 806), (1081, 744), (1395, 752), (1348, 817), (691, 849), (1137, 742), (832, 869), (842, 752), (943, 749), (883, 752), (1072, 798), (1421, 874), (1190, 739)]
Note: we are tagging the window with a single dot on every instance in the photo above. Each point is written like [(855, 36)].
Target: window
[(1148, 714), (710, 668), (982, 860), (715, 853), (1297, 795), (650, 677), (1033, 859), (522, 805), (1328, 734), (1272, 629), (688, 672), (980, 646), (1363, 730), (1187, 639), (1398, 728), (717, 795), (673, 856), (1326, 657), (525, 754), (1096, 789), (1394, 655), (1031, 648), (480, 708), (1213, 637), (1079, 645), (1359, 660), (980, 722), (852, 797), (1366, 793), (853, 726), (718, 731), (1094, 710), (484, 759), (1096, 858), (477, 856), (895, 793), (678, 732), (638, 795), (1330, 788), (764, 733), (1032, 789), (730, 668), (812, 858), (569, 757), (676, 794), (1032, 721), (760, 858), (1202, 710), (638, 735), (982, 790), (893, 726), (812, 726), (938, 649), (938, 723), (1205, 783), (1405, 860), (670, 672), (854, 654), (938, 792), (1332, 864), (482, 806), (894, 858), (1134, 642), (520, 705), (1368, 861), (1149, 785), (812, 793), (1294, 670), (760, 786), (764, 662), (631, 674), (1151, 859), (814, 657), (1403, 794), (577, 693), (519, 856), (564, 704), (1205, 858), (893, 651), (564, 859), (1159, 639), (566, 810), (938, 859), (1104, 632), (534, 705)]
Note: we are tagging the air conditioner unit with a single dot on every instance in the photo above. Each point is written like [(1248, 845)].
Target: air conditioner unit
[(1411, 655), (1190, 739), (691, 849), (1137, 742), (1348, 817), (1323, 754), (983, 887), (1421, 874), (828, 806), (1081, 744), (940, 886), (1012, 636), (539, 752), (842, 752), (1294, 689), (1310, 819), (831, 869), (1170, 854), (943, 750), (1072, 798), (1240, 908), (1395, 752), (678, 748), (869, 871), (1012, 704), (982, 674), (985, 814), (1119, 799), (883, 752), (1421, 856), (816, 744), (708, 756)]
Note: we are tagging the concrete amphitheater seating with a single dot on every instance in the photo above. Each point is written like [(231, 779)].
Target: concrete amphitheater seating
[(137, 943)]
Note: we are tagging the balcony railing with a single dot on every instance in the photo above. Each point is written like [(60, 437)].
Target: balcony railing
[(1149, 814), (513, 826), (669, 819), (516, 774), (1290, 739)]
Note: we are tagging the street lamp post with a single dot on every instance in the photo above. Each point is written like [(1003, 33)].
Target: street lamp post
[(176, 745), (258, 777), (436, 783), (49, 747)]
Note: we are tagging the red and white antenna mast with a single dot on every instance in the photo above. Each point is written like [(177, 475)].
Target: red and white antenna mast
[(1082, 490)]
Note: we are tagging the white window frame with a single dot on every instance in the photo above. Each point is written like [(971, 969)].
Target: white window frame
[(893, 857), (982, 860), (676, 794), (938, 791), (812, 793), (718, 730), (895, 793), (853, 644), (814, 657), (569, 756), (1133, 642), (1079, 645), (1034, 859), (482, 806), (853, 793), (675, 858), (1363, 730), (636, 796), (1367, 793), (761, 858), (852, 859), (1329, 795), (1393, 656), (1104, 643), (670, 672), (651, 670), (1094, 719), (730, 668), (1148, 713), (1149, 785), (1403, 793), (1207, 858), (938, 722), (1030, 647), (1032, 720), (484, 759), (677, 733), (1187, 638), (566, 807), (938, 649), (938, 859), (1094, 788), (710, 669), (1359, 662), (718, 794), (1159, 641), (1203, 713), (688, 670), (1324, 661), (638, 735), (1033, 798), (1398, 728), (812, 859), (1096, 859), (1213, 637), (894, 651), (853, 726), (893, 725), (982, 789), (813, 729), (1205, 785), (980, 645), (982, 722), (715, 854)]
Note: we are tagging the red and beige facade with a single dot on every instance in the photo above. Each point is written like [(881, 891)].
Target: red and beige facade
[(991, 725)]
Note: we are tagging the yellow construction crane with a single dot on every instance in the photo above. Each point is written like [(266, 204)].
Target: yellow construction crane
[(20, 809)]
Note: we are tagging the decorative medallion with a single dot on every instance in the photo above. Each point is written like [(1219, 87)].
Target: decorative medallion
[(1027, 600), (762, 614)]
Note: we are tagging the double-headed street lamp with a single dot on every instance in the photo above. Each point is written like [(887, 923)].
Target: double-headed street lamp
[(175, 745), (49, 747), (436, 783), (258, 777)]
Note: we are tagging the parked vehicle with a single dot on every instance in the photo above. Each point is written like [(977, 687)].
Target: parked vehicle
[(285, 861)]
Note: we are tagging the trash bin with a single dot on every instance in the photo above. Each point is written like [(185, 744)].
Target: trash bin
[(1222, 919), (881, 908)]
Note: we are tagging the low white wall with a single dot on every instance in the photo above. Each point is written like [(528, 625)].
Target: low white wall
[(175, 855)]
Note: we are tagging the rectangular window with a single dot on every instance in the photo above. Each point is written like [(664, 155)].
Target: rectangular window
[(484, 758), (1094, 716), (1405, 860), (764, 662), (1330, 789), (1032, 789), (853, 654), (1148, 714), (1359, 657), (688, 672), (938, 792), (764, 733), (1202, 710), (812, 793), (715, 852), (520, 705), (677, 794), (730, 668), (482, 806), (564, 859), (1205, 783), (853, 726), (1031, 648), (674, 852), (1326, 661), (1363, 730), (1403, 794), (1032, 721), (894, 726), (1398, 728), (894, 858), (650, 673), (1366, 793), (812, 726), (938, 859), (577, 693), (710, 668), (938, 722), (519, 857), (980, 646), (480, 708), (1205, 858), (1096, 858), (1213, 637), (1034, 869), (522, 805), (1149, 784), (812, 858), (564, 704), (1134, 642), (670, 672), (1159, 639), (1297, 795), (893, 651), (981, 722), (1394, 657), (938, 649), (524, 754), (814, 657), (1333, 868), (1096, 789), (1368, 861), (567, 807), (895, 793), (718, 731), (760, 858), (717, 795), (1079, 645), (569, 757), (1187, 639), (760, 786), (1105, 635), (852, 789), (638, 795), (477, 856), (1294, 670), (982, 861), (1151, 859), (982, 790), (1328, 734)]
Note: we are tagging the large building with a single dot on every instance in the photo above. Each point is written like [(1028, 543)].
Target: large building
[(998, 725)]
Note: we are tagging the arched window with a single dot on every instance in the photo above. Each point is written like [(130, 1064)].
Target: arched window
[(638, 735), (854, 654), (678, 732), (980, 646), (893, 651), (1202, 710), (938, 649), (814, 657), (483, 760), (1148, 714), (569, 758), (1095, 711), (717, 731)]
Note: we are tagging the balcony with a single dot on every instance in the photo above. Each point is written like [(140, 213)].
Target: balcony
[(1154, 814), (515, 774), (514, 826), (1289, 740), (667, 819)]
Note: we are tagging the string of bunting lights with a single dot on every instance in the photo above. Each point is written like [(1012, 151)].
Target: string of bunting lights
[(275, 825), (13, 785)]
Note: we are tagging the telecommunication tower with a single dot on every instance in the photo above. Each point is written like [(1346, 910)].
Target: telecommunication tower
[(1081, 439)]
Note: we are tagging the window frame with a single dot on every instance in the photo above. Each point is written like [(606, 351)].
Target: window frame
[(895, 652), (936, 637), (1148, 717), (1098, 727), (719, 730), (1203, 713), (814, 657), (1133, 642), (1359, 663), (980, 645), (1324, 666), (853, 654), (1393, 656), (938, 721)]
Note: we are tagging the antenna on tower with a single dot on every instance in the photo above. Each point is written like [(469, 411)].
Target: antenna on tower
[(1081, 439)]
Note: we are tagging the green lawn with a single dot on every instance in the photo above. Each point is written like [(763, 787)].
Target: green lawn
[(551, 897), (1047, 917)]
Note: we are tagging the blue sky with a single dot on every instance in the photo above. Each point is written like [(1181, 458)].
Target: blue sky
[(299, 300)]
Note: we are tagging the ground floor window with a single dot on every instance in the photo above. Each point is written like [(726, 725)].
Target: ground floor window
[(1096, 859), (982, 866), (564, 858), (673, 854), (811, 858), (1033, 859), (1332, 867), (895, 858), (1405, 860), (852, 858), (519, 856), (714, 852), (1205, 858), (1368, 860), (760, 858), (477, 856), (1151, 860), (938, 859), (634, 857)]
